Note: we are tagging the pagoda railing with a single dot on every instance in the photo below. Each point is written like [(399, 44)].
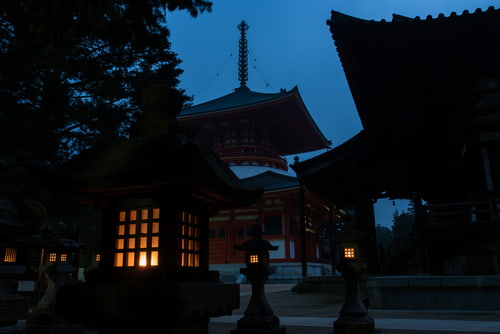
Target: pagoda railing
[(464, 212), (250, 155)]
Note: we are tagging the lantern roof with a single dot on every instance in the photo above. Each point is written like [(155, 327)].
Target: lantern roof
[(151, 164), (157, 158), (256, 243)]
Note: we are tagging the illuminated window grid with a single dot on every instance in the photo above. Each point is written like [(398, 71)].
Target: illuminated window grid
[(52, 257), (137, 238), (10, 255), (349, 253), (254, 258), (188, 240)]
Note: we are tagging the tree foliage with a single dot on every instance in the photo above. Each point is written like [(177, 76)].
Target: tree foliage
[(71, 71), (402, 224)]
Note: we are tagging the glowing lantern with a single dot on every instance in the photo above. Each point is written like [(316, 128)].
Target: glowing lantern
[(349, 252), (137, 238)]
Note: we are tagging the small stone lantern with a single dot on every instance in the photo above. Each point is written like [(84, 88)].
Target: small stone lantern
[(353, 318), (259, 317)]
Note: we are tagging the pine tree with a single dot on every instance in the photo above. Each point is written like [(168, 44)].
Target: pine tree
[(71, 72)]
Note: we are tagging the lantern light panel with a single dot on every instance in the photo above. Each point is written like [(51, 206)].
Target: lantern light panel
[(349, 253), (137, 238), (254, 258), (188, 240), (10, 255)]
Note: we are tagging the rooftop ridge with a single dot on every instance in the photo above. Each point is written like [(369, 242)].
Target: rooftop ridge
[(397, 18), (242, 96)]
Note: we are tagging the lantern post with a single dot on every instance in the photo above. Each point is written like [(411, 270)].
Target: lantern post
[(353, 317), (258, 317)]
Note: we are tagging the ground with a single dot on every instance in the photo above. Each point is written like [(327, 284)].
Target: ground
[(315, 313)]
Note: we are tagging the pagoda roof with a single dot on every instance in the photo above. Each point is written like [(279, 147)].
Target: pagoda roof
[(277, 115), (271, 181), (241, 97)]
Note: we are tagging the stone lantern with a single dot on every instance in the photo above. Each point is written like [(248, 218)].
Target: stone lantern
[(353, 317), (156, 192), (259, 317)]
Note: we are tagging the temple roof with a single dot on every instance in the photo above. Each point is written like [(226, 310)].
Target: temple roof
[(275, 115), (417, 85), (241, 97), (271, 181), (406, 64)]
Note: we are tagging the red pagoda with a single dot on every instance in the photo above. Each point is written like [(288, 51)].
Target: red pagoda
[(253, 132)]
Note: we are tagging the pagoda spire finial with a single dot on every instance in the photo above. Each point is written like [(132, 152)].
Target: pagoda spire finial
[(243, 54)]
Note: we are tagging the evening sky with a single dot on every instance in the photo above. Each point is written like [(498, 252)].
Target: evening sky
[(290, 45)]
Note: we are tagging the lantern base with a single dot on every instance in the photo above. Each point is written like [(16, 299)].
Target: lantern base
[(259, 325), (354, 325), (278, 330)]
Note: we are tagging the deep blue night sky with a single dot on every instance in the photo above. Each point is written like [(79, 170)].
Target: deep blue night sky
[(290, 45)]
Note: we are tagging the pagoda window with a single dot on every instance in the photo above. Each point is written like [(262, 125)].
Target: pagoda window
[(137, 239), (188, 240), (222, 233), (291, 226), (273, 225)]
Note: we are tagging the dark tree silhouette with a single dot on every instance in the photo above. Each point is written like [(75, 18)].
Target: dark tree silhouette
[(71, 73)]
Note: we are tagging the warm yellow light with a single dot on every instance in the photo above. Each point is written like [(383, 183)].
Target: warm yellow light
[(143, 242), (64, 257), (130, 259), (197, 260), (120, 243), (154, 258), (349, 253), (52, 257), (119, 260), (144, 214), (10, 255), (144, 228), (132, 229), (254, 259), (156, 213), (143, 259), (121, 230), (122, 216), (98, 257), (155, 242), (155, 228), (131, 243)]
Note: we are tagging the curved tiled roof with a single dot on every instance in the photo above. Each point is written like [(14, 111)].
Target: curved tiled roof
[(277, 115), (270, 180), (241, 97), (338, 17)]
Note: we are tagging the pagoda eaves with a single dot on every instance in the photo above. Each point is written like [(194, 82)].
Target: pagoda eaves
[(281, 118)]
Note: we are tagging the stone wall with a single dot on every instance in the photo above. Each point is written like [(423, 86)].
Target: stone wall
[(283, 272), (435, 292)]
